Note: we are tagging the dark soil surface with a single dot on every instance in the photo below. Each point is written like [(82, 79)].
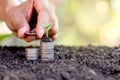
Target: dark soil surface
[(46, 39), (71, 63)]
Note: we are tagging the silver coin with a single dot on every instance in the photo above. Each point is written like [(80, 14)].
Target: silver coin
[(31, 34)]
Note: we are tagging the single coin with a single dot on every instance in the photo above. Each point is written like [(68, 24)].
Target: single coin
[(31, 33)]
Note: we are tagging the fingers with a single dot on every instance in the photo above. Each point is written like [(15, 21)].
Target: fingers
[(29, 9), (18, 17), (30, 38), (22, 26), (18, 25), (19, 28), (53, 32), (54, 37), (41, 5), (22, 31), (43, 19), (40, 31), (42, 8), (46, 16)]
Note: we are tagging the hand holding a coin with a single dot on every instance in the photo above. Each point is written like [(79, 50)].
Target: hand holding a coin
[(18, 18)]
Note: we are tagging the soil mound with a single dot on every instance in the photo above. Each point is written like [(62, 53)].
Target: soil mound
[(71, 63)]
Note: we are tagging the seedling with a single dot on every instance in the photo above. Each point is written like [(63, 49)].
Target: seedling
[(46, 30), (46, 47)]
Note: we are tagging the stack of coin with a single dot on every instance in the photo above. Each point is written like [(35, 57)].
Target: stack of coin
[(31, 53), (47, 49)]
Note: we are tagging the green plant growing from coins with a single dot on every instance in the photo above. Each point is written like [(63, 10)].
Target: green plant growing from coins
[(46, 30), (46, 46)]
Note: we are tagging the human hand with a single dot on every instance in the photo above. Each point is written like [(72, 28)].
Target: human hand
[(19, 17)]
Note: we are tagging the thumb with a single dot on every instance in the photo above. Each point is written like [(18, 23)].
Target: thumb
[(23, 28)]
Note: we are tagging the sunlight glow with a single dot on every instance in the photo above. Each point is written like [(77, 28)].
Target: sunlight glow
[(116, 4), (102, 6)]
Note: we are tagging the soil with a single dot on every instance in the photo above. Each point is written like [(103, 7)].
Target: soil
[(46, 39), (71, 63)]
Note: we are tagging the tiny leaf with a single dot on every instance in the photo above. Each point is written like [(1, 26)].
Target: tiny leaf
[(47, 28)]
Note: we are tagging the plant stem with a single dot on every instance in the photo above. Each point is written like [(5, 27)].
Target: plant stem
[(47, 27)]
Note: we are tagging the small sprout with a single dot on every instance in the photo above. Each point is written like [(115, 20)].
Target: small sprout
[(47, 29)]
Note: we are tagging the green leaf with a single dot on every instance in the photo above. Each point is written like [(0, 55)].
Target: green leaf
[(47, 28), (2, 37)]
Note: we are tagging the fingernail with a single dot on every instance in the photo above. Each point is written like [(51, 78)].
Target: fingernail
[(21, 32), (41, 33)]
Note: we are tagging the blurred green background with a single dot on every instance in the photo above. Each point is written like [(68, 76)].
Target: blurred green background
[(81, 22)]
